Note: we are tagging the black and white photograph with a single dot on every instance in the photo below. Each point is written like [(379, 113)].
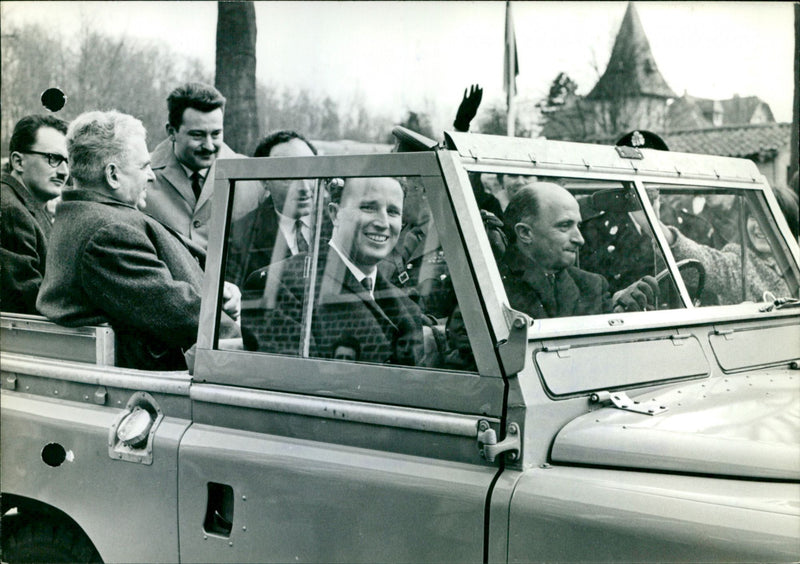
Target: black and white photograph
[(399, 281)]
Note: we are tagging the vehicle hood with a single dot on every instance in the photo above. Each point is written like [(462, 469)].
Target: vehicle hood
[(744, 425)]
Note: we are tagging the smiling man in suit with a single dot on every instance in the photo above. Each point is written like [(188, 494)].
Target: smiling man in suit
[(350, 294), (282, 225), (183, 163)]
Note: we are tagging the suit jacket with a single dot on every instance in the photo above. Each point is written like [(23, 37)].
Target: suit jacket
[(256, 241), (572, 292), (272, 310), (252, 240), (24, 231), (109, 262), (172, 202)]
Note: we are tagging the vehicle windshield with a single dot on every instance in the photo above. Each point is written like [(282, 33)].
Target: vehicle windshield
[(729, 238), (346, 269), (576, 247)]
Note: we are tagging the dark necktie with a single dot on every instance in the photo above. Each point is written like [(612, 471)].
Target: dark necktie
[(197, 184), (367, 283), (302, 244)]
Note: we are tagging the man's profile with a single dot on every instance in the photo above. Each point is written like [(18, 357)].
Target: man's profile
[(538, 269), (111, 263)]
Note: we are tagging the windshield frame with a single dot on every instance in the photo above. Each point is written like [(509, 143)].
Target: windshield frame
[(630, 321)]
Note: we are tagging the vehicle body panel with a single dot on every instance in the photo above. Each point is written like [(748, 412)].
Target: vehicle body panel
[(741, 425), (125, 508), (597, 515), (357, 505)]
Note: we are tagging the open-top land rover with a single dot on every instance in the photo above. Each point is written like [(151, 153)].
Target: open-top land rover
[(670, 434)]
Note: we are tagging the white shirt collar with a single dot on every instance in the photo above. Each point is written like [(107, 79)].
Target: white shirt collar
[(287, 227), (354, 270), (189, 172)]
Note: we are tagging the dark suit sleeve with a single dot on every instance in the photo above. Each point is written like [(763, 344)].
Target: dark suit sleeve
[(272, 307), (122, 273), (22, 266)]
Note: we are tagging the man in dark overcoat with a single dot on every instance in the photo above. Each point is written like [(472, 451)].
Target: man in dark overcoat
[(35, 175), (282, 224), (109, 262), (349, 294), (543, 223)]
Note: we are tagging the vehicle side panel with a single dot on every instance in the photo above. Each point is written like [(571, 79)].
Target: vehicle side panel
[(306, 501), (591, 514), (128, 510)]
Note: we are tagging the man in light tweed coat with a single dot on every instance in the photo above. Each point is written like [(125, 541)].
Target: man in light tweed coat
[(109, 262)]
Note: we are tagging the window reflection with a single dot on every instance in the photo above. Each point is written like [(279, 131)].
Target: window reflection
[(579, 247), (729, 237), (371, 284)]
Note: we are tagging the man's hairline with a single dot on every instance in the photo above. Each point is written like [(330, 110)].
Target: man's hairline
[(221, 108)]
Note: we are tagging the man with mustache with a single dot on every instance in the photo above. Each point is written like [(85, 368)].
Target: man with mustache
[(543, 223), (351, 296), (36, 172), (283, 224), (182, 163), (111, 263)]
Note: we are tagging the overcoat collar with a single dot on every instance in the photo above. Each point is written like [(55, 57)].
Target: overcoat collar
[(558, 293), (163, 159), (34, 206)]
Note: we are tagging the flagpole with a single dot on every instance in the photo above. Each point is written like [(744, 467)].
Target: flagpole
[(510, 71)]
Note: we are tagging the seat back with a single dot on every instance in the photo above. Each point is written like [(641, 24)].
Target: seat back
[(35, 335)]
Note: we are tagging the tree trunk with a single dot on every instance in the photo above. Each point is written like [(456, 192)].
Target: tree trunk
[(236, 73), (795, 158)]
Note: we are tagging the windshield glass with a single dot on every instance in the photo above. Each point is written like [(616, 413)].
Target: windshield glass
[(575, 247), (728, 239), (346, 269)]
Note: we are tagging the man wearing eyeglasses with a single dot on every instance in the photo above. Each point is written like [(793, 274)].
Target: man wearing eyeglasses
[(36, 172)]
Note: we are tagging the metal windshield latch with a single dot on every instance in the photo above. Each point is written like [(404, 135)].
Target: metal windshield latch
[(490, 448), (625, 403)]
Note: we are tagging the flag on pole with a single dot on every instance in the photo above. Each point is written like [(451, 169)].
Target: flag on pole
[(511, 65)]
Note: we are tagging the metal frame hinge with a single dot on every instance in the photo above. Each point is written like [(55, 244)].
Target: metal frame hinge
[(490, 448), (679, 338), (625, 403), (10, 382), (561, 350)]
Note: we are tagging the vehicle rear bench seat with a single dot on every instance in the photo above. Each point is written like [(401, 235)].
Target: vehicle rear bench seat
[(34, 335)]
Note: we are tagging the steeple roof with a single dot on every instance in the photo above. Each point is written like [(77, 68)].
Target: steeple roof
[(631, 69)]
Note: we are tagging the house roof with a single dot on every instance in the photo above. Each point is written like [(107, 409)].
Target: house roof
[(732, 141), (631, 70), (740, 109), (734, 111), (686, 113)]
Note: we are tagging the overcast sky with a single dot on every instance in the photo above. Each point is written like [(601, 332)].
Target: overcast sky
[(421, 55)]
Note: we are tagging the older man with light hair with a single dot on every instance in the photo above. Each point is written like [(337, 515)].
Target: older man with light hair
[(109, 262)]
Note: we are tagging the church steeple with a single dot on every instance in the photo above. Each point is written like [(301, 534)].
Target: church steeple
[(631, 70)]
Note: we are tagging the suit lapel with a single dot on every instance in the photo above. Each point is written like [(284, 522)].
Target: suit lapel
[(176, 176), (208, 187), (34, 207), (542, 287), (340, 286), (568, 294)]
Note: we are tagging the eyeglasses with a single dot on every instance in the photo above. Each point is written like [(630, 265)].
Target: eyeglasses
[(53, 159)]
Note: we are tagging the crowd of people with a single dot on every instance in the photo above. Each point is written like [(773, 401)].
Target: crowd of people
[(127, 245)]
